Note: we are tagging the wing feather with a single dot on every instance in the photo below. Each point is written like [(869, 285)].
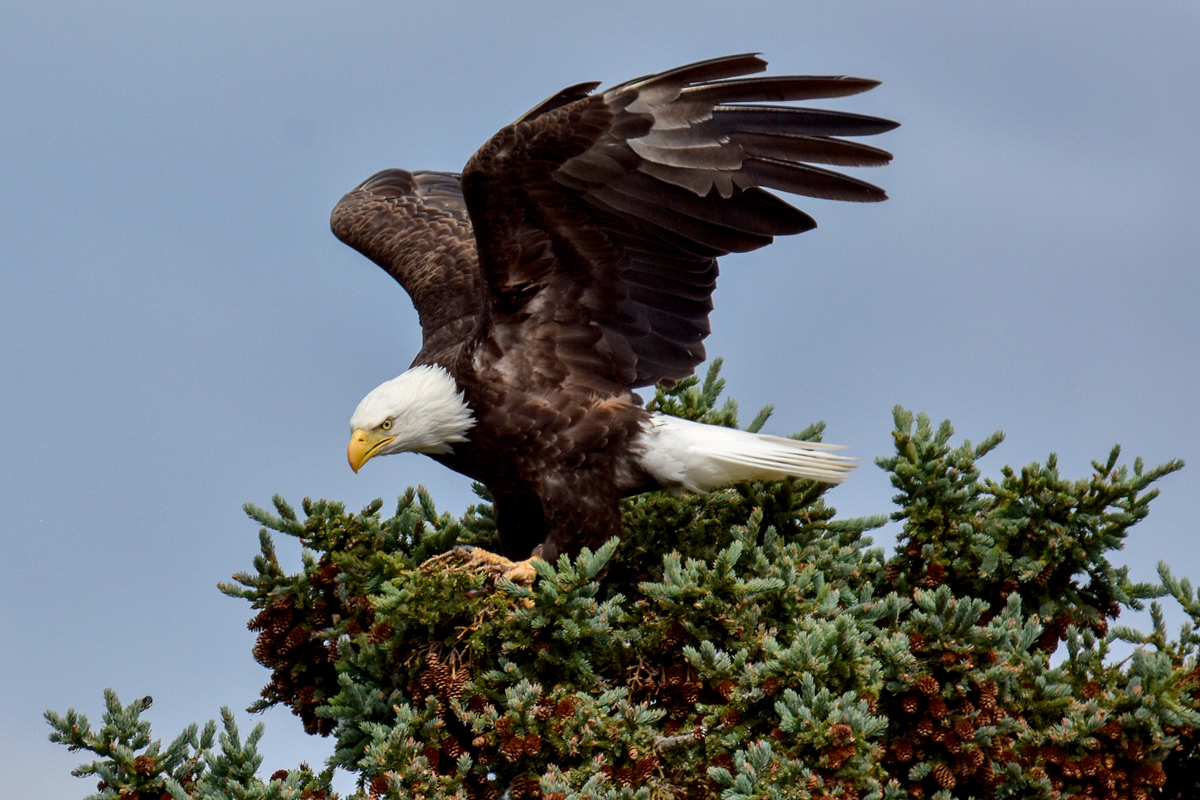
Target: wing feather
[(777, 89)]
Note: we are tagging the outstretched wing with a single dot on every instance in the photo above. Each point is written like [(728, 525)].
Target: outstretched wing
[(599, 218)]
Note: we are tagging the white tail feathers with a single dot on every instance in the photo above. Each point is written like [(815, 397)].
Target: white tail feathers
[(700, 458)]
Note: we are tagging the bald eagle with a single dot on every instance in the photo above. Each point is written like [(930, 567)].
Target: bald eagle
[(573, 261)]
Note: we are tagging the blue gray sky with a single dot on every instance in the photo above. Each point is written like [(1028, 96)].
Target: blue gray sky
[(182, 334)]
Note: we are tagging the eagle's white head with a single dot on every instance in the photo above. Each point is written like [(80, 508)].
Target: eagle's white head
[(422, 411)]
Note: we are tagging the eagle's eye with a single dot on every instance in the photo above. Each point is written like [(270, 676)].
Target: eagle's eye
[(386, 424)]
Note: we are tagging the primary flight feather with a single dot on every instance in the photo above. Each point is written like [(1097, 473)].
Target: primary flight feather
[(573, 261)]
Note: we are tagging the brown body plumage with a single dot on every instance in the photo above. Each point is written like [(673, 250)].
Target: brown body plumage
[(575, 259)]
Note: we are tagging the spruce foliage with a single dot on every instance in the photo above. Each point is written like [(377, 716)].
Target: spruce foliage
[(744, 644)]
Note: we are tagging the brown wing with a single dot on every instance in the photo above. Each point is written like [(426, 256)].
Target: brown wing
[(415, 225), (599, 218)]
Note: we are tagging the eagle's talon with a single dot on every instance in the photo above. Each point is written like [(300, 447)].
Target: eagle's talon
[(521, 572), (493, 565)]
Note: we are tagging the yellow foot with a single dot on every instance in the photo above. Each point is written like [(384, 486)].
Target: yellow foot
[(495, 566)]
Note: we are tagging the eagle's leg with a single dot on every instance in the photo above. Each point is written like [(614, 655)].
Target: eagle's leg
[(584, 510), (579, 510)]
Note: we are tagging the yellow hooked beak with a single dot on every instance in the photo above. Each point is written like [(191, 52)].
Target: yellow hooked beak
[(363, 446)]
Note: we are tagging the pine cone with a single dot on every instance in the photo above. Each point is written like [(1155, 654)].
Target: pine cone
[(944, 777), (928, 685)]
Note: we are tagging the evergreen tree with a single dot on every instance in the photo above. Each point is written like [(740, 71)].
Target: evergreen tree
[(745, 644)]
